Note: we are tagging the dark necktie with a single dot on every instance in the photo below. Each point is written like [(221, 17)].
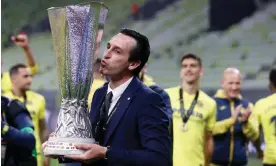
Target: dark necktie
[(107, 103), (101, 126)]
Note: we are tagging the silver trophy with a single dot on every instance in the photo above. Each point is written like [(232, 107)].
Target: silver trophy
[(77, 31)]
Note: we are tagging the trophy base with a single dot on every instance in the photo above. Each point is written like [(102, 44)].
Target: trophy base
[(65, 146)]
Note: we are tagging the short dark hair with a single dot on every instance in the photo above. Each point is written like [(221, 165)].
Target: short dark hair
[(191, 56), (14, 69), (142, 50), (272, 77)]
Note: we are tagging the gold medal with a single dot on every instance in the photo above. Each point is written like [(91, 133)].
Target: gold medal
[(184, 127)]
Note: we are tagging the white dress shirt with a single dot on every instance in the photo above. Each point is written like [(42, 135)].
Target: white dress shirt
[(117, 93)]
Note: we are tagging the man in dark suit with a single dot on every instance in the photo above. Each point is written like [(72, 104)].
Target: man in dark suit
[(129, 120)]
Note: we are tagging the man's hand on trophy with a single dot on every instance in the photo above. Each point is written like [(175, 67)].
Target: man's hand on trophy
[(45, 143), (44, 146), (50, 156), (92, 152)]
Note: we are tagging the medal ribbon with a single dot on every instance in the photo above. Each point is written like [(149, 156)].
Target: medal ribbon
[(185, 115)]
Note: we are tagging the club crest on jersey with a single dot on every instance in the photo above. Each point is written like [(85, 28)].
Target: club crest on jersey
[(199, 103), (223, 107)]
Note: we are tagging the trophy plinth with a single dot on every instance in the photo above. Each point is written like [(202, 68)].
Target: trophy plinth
[(76, 31), (65, 146)]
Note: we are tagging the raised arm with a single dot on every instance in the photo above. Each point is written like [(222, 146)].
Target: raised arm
[(22, 41)]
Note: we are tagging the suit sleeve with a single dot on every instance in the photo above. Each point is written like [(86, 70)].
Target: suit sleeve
[(153, 126), (251, 128), (94, 98), (167, 101), (165, 98)]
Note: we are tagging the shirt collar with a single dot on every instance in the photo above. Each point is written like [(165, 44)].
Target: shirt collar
[(221, 94), (117, 92)]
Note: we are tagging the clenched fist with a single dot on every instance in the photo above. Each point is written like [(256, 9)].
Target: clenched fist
[(21, 40)]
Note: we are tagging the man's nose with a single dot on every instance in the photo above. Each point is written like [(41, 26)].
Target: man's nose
[(188, 69), (30, 79), (107, 54), (234, 87)]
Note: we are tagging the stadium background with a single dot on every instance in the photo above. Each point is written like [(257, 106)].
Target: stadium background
[(223, 33)]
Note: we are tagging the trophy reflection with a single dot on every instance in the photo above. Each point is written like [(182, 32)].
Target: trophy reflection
[(76, 31)]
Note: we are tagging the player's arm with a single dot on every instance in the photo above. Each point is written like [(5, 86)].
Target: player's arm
[(208, 135), (21, 40), (43, 132), (224, 125), (42, 123), (250, 125), (257, 143), (23, 134), (208, 147), (23, 137)]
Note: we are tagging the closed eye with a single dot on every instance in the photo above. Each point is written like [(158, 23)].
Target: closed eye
[(118, 51)]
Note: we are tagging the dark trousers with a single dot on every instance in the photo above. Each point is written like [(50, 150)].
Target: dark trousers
[(269, 164)]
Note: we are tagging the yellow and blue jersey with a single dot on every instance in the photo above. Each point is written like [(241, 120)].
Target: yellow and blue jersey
[(265, 110), (231, 139)]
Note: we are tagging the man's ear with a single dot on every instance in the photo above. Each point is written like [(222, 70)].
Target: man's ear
[(201, 72), (133, 65), (13, 78), (222, 82)]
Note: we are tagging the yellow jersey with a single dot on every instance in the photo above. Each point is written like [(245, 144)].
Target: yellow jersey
[(97, 83), (36, 105), (188, 145), (148, 80), (265, 110), (6, 84)]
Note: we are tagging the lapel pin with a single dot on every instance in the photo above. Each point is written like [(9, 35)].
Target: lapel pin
[(128, 98)]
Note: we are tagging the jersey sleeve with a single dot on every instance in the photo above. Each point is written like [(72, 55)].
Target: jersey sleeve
[(42, 109), (251, 128), (257, 109), (212, 118), (33, 69), (223, 126)]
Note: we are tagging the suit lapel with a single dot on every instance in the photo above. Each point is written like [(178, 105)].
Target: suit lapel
[(96, 108), (125, 101)]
